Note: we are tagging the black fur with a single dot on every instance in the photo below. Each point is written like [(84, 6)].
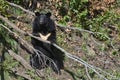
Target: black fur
[(44, 24)]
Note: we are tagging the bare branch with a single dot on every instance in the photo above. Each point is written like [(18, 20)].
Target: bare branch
[(25, 64), (20, 59), (12, 4), (11, 24), (22, 74), (88, 73)]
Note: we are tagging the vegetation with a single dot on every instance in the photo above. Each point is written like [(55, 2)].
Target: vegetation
[(89, 29)]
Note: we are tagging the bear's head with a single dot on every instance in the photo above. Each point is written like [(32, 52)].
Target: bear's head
[(43, 18)]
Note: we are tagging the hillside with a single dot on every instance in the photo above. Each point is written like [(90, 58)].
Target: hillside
[(88, 33)]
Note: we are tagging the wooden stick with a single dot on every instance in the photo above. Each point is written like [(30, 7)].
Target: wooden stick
[(20, 59)]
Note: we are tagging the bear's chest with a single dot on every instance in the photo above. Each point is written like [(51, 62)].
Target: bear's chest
[(44, 30)]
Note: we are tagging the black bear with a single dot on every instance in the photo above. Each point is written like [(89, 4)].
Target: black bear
[(44, 27)]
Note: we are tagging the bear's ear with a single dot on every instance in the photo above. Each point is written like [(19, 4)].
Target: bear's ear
[(48, 14), (37, 13)]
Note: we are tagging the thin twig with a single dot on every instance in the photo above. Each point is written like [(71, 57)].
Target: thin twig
[(88, 73)]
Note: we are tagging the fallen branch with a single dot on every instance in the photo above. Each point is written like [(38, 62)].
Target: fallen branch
[(88, 75), (25, 64), (18, 39), (15, 5), (22, 74), (20, 59)]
